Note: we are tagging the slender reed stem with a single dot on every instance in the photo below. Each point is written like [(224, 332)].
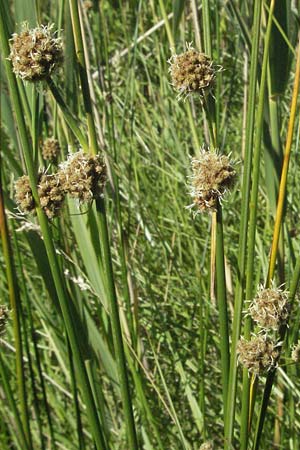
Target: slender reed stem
[(106, 255), (254, 205), (14, 296), (93, 145), (13, 407), (238, 306), (222, 305), (73, 124), (116, 327), (283, 179)]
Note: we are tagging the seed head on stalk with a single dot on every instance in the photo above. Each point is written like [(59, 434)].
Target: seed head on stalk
[(83, 176), (35, 53), (259, 355), (50, 193), (213, 175), (192, 72), (269, 309), (51, 149)]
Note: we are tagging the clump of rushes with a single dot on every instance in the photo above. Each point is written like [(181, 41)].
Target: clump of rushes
[(269, 309), (4, 314), (259, 355), (83, 176), (51, 149), (206, 446), (213, 175), (296, 352), (35, 53), (50, 192), (192, 72)]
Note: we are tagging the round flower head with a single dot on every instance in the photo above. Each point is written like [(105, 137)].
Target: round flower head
[(50, 193), (35, 53), (83, 176), (206, 446), (259, 355), (192, 72), (23, 195), (296, 352), (212, 176), (4, 313), (51, 149), (269, 309)]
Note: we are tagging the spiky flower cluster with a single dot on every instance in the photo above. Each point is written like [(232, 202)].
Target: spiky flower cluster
[(4, 314), (50, 193), (206, 446), (269, 309), (23, 195), (83, 176), (35, 53), (259, 355), (213, 175), (51, 149), (192, 72), (296, 352)]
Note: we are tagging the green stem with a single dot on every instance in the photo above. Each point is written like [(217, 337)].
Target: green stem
[(14, 296), (73, 123), (253, 210), (206, 27), (116, 327), (238, 306), (93, 144), (13, 408), (222, 305)]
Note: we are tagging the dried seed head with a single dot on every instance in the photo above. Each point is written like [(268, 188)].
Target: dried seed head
[(83, 176), (296, 352), (259, 355), (192, 72), (51, 195), (4, 314), (212, 176), (35, 53), (23, 195), (269, 309), (206, 446), (51, 149)]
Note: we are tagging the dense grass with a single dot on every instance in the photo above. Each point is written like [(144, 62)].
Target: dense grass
[(63, 378)]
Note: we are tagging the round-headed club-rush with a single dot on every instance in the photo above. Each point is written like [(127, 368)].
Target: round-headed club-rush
[(35, 53), (50, 192), (259, 355), (192, 72), (83, 176), (269, 309), (50, 149), (212, 176)]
